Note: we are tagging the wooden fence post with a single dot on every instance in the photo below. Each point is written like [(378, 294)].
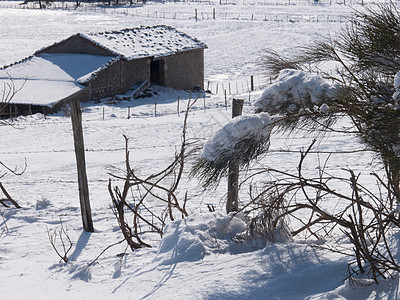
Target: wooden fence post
[(226, 100), (232, 203), (76, 119), (177, 107)]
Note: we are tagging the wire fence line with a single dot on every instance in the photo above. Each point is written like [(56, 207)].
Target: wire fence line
[(66, 181), (277, 150), (107, 111), (118, 5), (237, 86), (86, 150), (195, 14)]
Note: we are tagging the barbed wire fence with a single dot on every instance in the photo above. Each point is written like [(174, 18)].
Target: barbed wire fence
[(114, 6), (197, 14), (222, 92)]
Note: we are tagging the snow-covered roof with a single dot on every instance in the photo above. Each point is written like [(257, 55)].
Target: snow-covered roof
[(48, 78), (43, 92), (145, 41)]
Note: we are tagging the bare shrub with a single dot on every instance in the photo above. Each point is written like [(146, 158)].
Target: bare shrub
[(139, 194), (6, 94), (364, 216), (60, 241)]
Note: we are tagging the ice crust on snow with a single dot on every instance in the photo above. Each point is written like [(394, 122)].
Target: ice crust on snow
[(225, 140), (294, 89)]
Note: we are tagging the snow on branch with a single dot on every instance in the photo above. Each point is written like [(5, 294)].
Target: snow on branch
[(294, 90), (238, 142), (245, 138)]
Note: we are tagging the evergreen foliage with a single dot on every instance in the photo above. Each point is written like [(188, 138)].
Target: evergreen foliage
[(366, 55), (367, 58)]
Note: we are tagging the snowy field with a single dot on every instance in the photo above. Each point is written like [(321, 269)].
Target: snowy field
[(196, 259)]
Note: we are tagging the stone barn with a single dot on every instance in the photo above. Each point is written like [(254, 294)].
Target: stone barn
[(99, 65)]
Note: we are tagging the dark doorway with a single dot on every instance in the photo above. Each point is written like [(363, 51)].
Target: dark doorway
[(157, 71)]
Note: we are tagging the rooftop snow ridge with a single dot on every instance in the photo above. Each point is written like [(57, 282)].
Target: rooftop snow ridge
[(145, 41), (85, 79), (137, 42), (16, 63)]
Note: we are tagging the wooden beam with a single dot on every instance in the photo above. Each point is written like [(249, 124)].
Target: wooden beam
[(76, 118)]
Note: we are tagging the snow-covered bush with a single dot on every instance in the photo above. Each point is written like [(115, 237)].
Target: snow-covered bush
[(238, 142), (366, 84), (295, 91), (365, 87)]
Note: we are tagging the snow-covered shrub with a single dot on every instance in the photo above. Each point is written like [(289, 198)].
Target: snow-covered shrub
[(238, 142), (200, 234), (365, 88), (294, 91)]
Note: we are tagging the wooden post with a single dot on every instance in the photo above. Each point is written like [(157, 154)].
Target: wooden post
[(155, 108), (129, 112), (226, 100), (252, 82), (103, 112), (214, 13), (177, 108), (233, 175), (76, 119)]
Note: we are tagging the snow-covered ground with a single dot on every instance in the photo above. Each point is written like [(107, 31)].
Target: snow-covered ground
[(196, 259)]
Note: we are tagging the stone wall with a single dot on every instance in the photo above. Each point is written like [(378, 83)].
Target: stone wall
[(118, 77), (184, 70), (76, 44), (134, 71)]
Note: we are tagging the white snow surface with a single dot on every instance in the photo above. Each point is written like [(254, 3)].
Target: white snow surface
[(47, 78), (199, 257), (292, 87), (397, 85)]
